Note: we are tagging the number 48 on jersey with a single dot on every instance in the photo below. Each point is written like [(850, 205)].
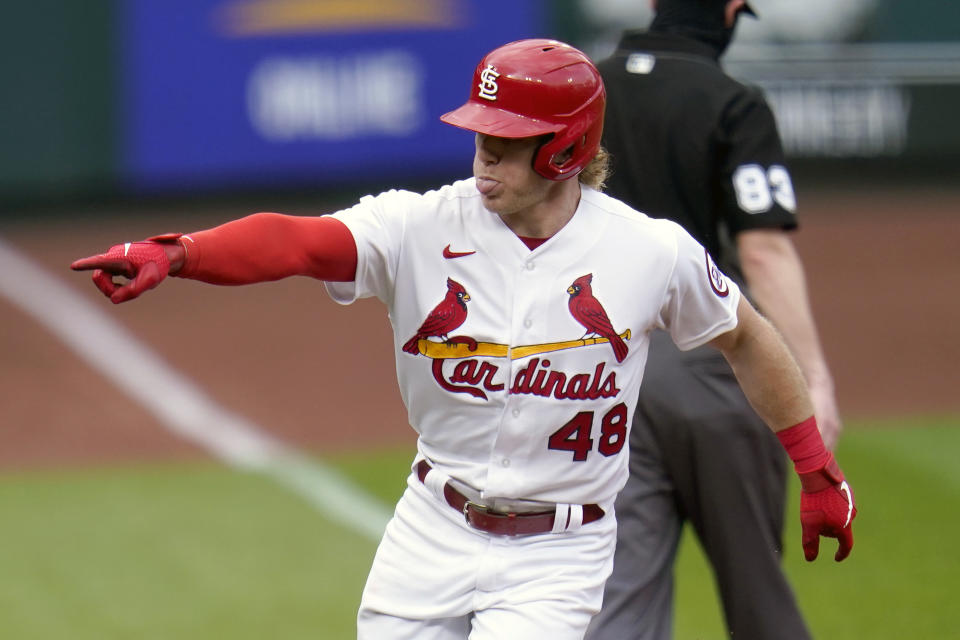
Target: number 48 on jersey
[(576, 435)]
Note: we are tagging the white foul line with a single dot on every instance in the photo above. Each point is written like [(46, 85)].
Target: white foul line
[(176, 401)]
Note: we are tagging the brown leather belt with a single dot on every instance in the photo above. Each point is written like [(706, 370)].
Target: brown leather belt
[(504, 524)]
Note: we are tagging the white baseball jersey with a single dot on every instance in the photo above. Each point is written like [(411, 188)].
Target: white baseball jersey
[(509, 390)]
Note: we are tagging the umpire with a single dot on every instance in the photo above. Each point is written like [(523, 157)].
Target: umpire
[(691, 144)]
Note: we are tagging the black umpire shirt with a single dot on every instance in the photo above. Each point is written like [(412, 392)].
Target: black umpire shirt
[(692, 144)]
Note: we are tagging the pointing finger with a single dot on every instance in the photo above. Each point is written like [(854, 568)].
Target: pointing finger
[(113, 266), (92, 262)]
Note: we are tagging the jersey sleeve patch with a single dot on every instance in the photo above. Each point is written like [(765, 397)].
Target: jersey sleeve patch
[(718, 281)]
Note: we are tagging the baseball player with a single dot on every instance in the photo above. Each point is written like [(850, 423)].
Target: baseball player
[(521, 302), (693, 145)]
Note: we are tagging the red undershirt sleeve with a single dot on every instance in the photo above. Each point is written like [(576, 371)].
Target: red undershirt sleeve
[(270, 246)]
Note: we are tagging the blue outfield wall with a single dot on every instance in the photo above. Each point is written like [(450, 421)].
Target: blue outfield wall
[(268, 93)]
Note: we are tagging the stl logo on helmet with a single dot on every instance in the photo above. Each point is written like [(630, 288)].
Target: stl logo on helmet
[(488, 83)]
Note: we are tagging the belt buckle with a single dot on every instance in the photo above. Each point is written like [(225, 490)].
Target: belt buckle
[(469, 504), (492, 516)]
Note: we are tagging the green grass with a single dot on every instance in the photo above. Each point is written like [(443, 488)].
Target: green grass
[(197, 551), (173, 551)]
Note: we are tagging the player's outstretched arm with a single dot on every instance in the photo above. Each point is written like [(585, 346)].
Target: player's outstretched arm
[(258, 248), (144, 264), (776, 388)]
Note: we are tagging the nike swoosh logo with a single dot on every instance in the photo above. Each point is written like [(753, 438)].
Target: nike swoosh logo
[(455, 254), (846, 489), (126, 248)]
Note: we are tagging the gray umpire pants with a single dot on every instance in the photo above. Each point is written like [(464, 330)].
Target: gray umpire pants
[(699, 453)]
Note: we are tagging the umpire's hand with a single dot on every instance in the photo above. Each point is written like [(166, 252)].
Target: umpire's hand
[(145, 264)]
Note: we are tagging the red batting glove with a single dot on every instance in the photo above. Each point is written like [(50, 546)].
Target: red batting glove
[(826, 509), (145, 264), (826, 501)]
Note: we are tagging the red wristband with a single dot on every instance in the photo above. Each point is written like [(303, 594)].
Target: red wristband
[(805, 446)]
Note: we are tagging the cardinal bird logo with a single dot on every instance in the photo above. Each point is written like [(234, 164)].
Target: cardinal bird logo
[(588, 311), (449, 314)]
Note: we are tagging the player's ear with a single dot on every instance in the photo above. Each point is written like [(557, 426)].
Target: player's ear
[(561, 158)]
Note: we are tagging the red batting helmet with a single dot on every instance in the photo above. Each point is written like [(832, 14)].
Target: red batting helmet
[(536, 87)]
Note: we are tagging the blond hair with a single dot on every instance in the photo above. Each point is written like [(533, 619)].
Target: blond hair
[(597, 171)]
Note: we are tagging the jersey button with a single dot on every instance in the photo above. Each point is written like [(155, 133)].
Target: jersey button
[(516, 413), (528, 323), (505, 462), (530, 266)]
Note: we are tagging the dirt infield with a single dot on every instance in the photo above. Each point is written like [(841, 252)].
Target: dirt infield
[(883, 267)]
